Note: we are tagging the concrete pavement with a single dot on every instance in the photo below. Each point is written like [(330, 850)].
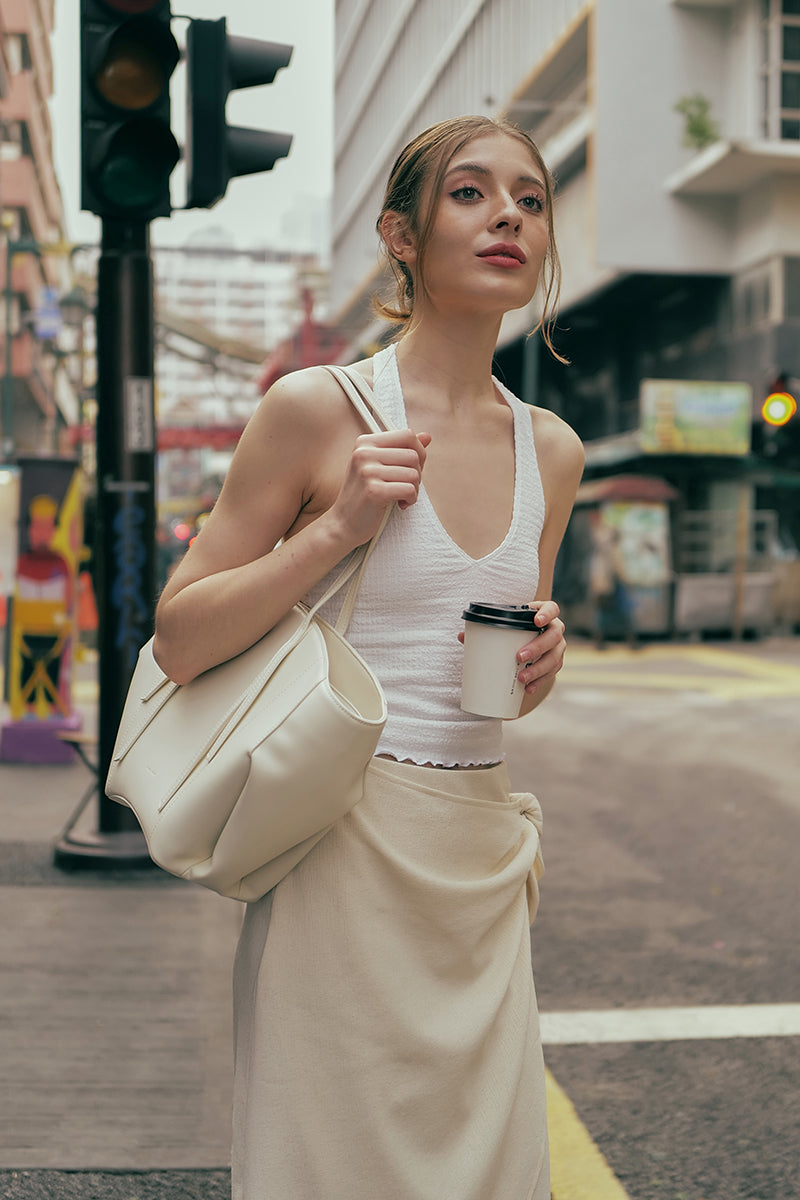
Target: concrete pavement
[(115, 1003), (115, 1022)]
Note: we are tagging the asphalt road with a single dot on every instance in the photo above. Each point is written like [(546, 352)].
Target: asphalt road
[(668, 778), (669, 781)]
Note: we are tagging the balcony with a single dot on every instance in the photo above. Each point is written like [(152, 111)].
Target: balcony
[(23, 104), (21, 189), (34, 18), (26, 276), (729, 168)]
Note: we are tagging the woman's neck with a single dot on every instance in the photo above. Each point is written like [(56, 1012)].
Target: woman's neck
[(452, 360)]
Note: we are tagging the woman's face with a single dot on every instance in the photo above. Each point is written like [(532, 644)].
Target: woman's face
[(490, 232)]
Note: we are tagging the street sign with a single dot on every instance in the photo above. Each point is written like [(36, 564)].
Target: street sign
[(47, 320)]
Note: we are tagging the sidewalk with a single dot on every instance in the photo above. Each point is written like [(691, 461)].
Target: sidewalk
[(115, 1021)]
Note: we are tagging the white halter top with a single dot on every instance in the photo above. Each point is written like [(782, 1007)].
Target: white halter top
[(416, 585)]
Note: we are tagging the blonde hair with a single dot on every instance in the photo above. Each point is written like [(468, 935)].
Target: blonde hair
[(425, 159)]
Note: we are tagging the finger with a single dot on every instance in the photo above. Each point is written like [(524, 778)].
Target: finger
[(400, 438), (546, 611), (534, 673), (369, 460), (529, 653), (383, 492), (547, 640)]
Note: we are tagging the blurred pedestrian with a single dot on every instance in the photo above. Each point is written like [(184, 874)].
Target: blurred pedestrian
[(386, 1035), (612, 608)]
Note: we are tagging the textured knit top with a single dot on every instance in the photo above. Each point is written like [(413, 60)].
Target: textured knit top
[(415, 587)]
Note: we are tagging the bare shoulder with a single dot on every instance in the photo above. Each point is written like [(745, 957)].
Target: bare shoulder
[(560, 454), (553, 436), (303, 400), (307, 406)]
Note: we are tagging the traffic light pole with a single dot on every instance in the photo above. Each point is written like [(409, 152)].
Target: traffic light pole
[(126, 518)]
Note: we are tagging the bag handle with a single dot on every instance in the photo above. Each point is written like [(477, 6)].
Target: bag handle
[(362, 397), (363, 400)]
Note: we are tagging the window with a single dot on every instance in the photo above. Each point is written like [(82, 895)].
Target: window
[(780, 69)]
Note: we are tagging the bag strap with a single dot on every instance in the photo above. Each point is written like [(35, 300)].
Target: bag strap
[(363, 400), (362, 397)]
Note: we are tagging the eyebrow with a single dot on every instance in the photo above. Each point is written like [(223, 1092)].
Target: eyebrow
[(479, 169)]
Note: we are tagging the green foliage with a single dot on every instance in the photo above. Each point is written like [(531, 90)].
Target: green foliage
[(699, 129)]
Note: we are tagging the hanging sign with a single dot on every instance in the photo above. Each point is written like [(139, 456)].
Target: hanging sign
[(689, 416)]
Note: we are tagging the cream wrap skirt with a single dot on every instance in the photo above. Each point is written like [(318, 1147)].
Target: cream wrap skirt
[(386, 1033)]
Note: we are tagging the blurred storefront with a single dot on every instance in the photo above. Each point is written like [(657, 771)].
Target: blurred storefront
[(686, 480), (624, 523)]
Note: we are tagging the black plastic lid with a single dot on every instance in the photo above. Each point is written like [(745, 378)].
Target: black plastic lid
[(508, 616)]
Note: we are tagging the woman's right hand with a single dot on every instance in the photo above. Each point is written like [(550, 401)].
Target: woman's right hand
[(383, 468)]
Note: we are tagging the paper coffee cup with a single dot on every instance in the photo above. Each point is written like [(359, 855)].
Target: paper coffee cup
[(493, 636)]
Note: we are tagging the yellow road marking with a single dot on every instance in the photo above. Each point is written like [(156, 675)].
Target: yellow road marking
[(743, 664), (578, 1171), (731, 676), (724, 689), (649, 679)]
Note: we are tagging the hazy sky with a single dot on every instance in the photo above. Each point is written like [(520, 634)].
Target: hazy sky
[(298, 102)]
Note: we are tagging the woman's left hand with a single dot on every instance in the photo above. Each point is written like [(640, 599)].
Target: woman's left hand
[(543, 656)]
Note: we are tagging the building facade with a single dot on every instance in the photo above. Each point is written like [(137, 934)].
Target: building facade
[(673, 130), (220, 313), (38, 398)]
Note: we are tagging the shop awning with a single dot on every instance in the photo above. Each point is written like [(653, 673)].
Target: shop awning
[(644, 488)]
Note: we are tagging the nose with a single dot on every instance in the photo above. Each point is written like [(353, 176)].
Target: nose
[(507, 215)]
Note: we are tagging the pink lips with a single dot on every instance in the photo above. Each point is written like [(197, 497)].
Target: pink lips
[(503, 253)]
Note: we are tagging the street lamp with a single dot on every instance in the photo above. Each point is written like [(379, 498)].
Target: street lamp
[(75, 306)]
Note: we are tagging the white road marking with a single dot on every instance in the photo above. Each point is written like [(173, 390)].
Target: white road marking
[(670, 1024)]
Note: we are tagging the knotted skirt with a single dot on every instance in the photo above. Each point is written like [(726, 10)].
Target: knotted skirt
[(386, 1035)]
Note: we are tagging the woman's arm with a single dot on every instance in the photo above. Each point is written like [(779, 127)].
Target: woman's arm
[(304, 475), (561, 458)]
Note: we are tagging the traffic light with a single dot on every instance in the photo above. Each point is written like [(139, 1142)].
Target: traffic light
[(778, 438), (128, 151), (778, 408), (216, 152)]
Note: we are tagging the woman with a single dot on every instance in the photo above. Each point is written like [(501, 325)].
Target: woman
[(387, 1038)]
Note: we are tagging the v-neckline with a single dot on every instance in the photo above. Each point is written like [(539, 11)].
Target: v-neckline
[(424, 495)]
